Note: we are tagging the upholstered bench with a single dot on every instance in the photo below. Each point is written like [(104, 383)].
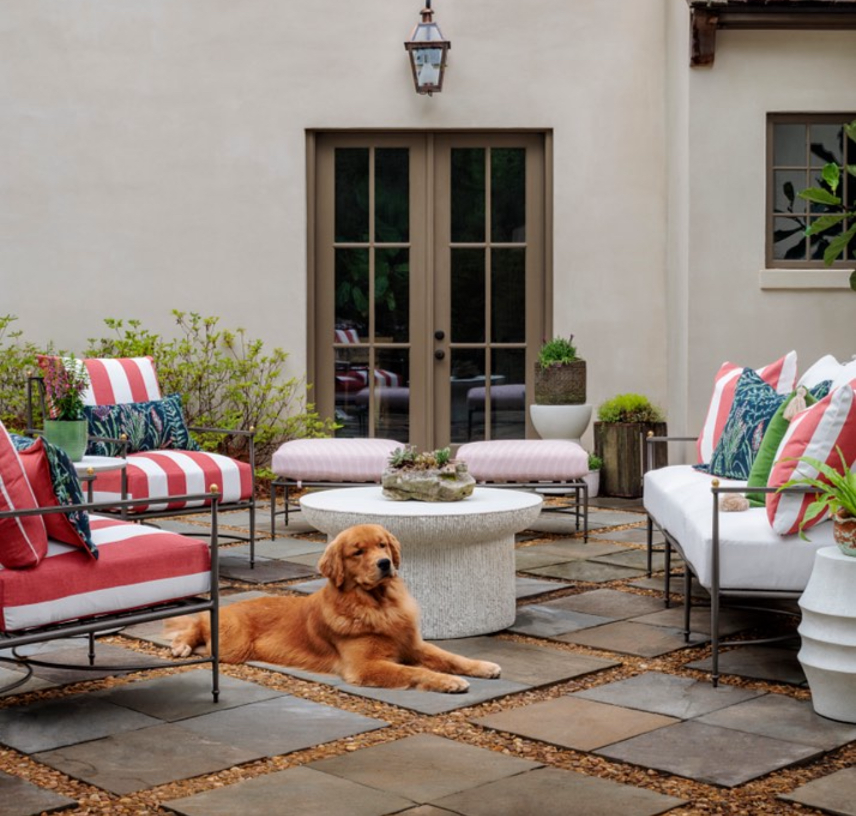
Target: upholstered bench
[(548, 465), (511, 397), (326, 463)]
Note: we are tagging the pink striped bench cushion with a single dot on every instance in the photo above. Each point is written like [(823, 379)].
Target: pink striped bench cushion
[(524, 460), (154, 474), (137, 566), (333, 460)]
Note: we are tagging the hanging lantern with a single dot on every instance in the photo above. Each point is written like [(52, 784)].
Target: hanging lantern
[(427, 51)]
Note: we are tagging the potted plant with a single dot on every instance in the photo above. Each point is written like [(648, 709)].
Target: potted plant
[(65, 380), (592, 478), (560, 410), (836, 495), (431, 476), (619, 432)]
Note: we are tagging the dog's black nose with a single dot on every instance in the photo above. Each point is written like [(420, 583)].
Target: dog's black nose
[(384, 565)]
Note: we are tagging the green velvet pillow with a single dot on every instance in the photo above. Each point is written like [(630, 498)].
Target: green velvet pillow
[(759, 475)]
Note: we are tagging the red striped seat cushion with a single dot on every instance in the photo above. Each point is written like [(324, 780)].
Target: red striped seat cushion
[(333, 460), (137, 566), (156, 474), (524, 460)]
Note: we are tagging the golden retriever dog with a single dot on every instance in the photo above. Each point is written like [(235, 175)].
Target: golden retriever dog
[(362, 625)]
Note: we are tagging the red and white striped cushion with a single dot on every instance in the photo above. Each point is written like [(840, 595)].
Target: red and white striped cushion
[(357, 379), (524, 460), (157, 474), (347, 336), (333, 460), (137, 566), (781, 375), (120, 380), (814, 432)]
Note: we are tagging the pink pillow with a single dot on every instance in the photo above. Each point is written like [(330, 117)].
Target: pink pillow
[(781, 375), (814, 432), (23, 541)]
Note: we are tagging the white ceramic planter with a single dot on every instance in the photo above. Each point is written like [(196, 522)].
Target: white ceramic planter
[(592, 479), (560, 421), (828, 631)]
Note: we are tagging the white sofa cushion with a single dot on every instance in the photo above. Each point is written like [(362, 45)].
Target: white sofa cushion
[(752, 555)]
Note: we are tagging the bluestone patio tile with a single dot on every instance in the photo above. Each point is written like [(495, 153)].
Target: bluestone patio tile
[(631, 638), (833, 793), (730, 620), (525, 662), (308, 587), (11, 675), (180, 696), (558, 552), (615, 518), (525, 587), (110, 660), (587, 571), (543, 620), (557, 793), (707, 753), (608, 603), (635, 559), (676, 585), (758, 662), (782, 717), (279, 548), (681, 697), (21, 798), (301, 790), (423, 767), (265, 571), (47, 724), (129, 762), (634, 535), (280, 725)]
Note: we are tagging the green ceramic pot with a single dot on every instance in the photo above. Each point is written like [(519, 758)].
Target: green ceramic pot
[(69, 434)]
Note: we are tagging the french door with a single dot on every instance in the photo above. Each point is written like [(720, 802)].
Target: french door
[(428, 257)]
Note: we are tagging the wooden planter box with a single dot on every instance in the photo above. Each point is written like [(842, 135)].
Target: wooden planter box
[(622, 447)]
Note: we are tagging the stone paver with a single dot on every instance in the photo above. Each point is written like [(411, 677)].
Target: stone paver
[(423, 767), (707, 753), (107, 660), (680, 697), (781, 717), (308, 587), (676, 585), (302, 791), (48, 724), (730, 620), (636, 559), (525, 587), (635, 535), (143, 759), (8, 676), (21, 798), (759, 662), (527, 663), (282, 548), (833, 793), (265, 571), (631, 638), (588, 571), (557, 793), (543, 620), (609, 603), (571, 722), (280, 725), (558, 552)]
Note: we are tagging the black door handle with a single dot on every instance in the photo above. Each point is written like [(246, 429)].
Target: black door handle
[(439, 354)]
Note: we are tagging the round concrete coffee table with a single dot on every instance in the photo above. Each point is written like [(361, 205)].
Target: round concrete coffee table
[(457, 557)]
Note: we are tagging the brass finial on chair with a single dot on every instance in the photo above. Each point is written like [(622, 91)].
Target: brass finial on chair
[(214, 488)]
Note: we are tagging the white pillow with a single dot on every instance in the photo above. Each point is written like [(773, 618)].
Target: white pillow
[(828, 368)]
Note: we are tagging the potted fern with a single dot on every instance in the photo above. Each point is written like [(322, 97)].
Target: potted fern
[(622, 424), (559, 410)]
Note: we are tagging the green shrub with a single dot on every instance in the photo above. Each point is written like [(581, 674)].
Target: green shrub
[(594, 462), (629, 408), (17, 358), (558, 350), (226, 380)]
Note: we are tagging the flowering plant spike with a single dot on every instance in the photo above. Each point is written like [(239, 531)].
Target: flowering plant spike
[(66, 379)]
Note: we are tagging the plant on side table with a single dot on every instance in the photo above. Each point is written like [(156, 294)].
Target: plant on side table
[(623, 422), (65, 380)]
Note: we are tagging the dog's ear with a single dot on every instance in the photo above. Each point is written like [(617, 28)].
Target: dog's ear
[(332, 563), (395, 549)]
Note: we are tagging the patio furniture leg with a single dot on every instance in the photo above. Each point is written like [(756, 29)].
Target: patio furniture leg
[(215, 609), (650, 549), (667, 581), (688, 600)]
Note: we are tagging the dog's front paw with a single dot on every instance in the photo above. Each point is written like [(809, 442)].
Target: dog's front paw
[(485, 668), (181, 649), (449, 684)]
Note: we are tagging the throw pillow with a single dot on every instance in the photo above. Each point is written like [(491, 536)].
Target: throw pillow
[(55, 483), (23, 540), (828, 368), (781, 375), (776, 430), (815, 432), (155, 425)]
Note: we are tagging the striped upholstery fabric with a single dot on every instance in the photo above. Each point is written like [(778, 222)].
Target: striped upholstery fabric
[(174, 473), (524, 460), (121, 380), (138, 566), (347, 336), (333, 460), (782, 375), (358, 378)]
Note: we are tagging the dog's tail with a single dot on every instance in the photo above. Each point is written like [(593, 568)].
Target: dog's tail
[(190, 634)]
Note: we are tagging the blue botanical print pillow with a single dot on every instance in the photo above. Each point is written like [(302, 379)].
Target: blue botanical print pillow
[(149, 426), (67, 490), (755, 403)]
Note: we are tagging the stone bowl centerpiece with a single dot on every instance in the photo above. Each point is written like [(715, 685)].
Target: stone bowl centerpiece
[(433, 477)]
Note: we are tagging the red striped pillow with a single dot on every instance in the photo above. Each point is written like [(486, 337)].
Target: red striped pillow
[(23, 541), (814, 432), (781, 375), (118, 380)]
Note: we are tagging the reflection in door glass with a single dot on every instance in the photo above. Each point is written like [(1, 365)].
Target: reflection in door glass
[(352, 290), (508, 396), (392, 295), (392, 394), (352, 194), (468, 295), (508, 195), (392, 195), (508, 296), (468, 194), (467, 394)]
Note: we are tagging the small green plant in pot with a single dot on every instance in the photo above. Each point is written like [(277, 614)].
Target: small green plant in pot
[(623, 423), (835, 494), (560, 374), (592, 478)]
